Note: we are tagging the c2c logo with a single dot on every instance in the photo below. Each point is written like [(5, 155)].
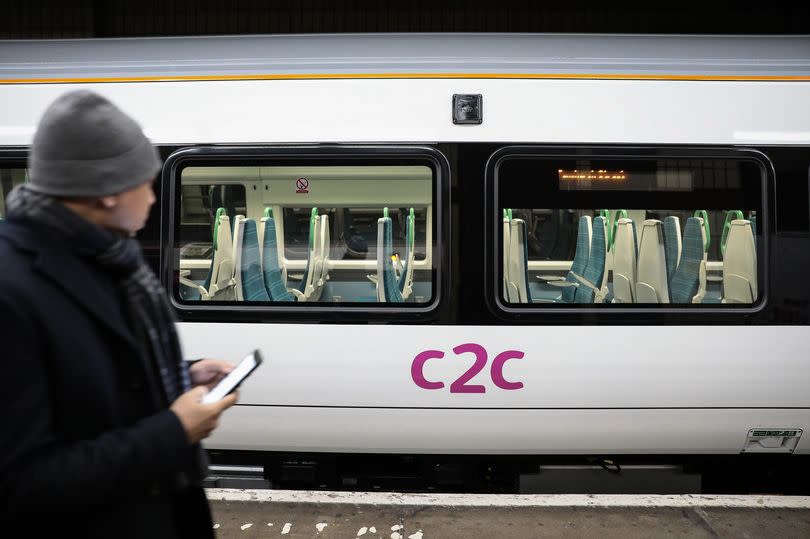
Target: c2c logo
[(461, 385)]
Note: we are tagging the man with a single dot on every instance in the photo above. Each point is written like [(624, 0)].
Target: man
[(101, 425)]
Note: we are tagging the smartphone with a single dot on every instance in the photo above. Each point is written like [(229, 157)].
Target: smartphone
[(234, 378)]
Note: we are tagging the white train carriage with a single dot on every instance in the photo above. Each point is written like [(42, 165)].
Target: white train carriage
[(474, 244)]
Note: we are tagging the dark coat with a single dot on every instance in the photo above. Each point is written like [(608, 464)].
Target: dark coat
[(86, 441)]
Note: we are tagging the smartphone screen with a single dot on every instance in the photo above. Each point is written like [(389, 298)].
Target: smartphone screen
[(234, 378)]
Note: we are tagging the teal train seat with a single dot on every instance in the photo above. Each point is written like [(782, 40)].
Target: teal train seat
[(250, 271), (672, 245), (705, 230), (688, 284), (591, 286), (274, 278)]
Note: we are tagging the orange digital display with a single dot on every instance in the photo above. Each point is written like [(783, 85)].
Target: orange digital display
[(599, 175)]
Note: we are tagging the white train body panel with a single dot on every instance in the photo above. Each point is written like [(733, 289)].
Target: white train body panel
[(488, 431), (585, 389), (417, 111)]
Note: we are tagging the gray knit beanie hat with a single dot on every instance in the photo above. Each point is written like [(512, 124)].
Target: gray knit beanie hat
[(87, 147)]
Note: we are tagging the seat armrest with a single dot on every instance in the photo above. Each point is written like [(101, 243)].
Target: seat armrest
[(562, 284), (299, 296), (191, 284)]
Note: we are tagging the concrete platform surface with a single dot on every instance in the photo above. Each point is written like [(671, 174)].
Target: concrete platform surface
[(299, 514)]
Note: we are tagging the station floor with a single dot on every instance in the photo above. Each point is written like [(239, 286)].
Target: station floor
[(300, 514)]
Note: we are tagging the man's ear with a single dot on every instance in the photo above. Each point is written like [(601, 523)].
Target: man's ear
[(108, 202)]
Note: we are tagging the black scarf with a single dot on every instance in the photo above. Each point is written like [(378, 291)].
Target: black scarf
[(121, 257)]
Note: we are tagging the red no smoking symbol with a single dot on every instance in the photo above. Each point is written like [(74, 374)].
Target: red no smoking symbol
[(302, 185)]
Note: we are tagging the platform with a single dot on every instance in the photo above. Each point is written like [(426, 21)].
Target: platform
[(299, 514)]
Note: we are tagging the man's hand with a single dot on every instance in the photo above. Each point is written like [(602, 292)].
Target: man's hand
[(199, 420), (208, 372)]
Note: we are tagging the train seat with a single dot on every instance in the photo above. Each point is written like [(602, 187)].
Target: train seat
[(688, 284), (314, 262), (740, 264), (582, 254), (672, 245), (219, 283), (705, 230), (250, 270), (652, 285), (387, 285), (519, 262), (322, 259), (274, 280), (591, 284), (222, 279), (238, 237), (307, 284), (510, 293), (406, 275), (753, 221), (625, 257), (193, 290)]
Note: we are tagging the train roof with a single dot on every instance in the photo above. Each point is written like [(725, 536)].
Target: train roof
[(463, 55)]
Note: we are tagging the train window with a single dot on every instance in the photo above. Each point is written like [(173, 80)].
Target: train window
[(323, 235), (621, 232), (9, 179)]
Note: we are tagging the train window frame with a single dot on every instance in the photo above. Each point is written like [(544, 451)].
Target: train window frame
[(307, 155), (493, 244), (12, 157)]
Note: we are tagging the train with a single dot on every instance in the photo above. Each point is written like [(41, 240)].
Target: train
[(473, 244)]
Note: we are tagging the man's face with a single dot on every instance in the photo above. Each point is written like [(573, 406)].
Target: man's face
[(131, 208)]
